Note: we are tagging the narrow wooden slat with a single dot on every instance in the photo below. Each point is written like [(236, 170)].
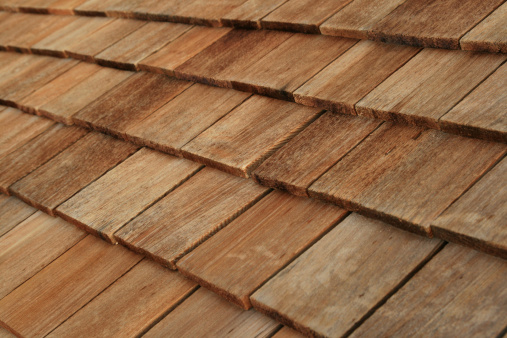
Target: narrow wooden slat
[(189, 215), (64, 286), (460, 292), (115, 198), (380, 175), (250, 13), (94, 7), (32, 245), (12, 212), (240, 258), (130, 305), (63, 7), (287, 332), (241, 140), (342, 277), (206, 314), (206, 12), (15, 25), (311, 153), (81, 163)]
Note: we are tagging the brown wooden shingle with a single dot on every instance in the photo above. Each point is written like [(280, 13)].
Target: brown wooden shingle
[(13, 211), (250, 13)]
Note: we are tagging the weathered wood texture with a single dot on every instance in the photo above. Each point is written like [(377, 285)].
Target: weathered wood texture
[(312, 152), (210, 12), (55, 293), (94, 7), (12, 212), (341, 84), (183, 118), (287, 332), (60, 7), (428, 86), (246, 136), (240, 258), (36, 152), (490, 34), (250, 13), (70, 171), (31, 245), (330, 288), (478, 217), (130, 305), (460, 292), (189, 215), (206, 314), (379, 176), (126, 190), (432, 23), (6, 334)]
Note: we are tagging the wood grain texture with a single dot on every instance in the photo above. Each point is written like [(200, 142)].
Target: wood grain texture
[(206, 314), (130, 305), (428, 86), (239, 259), (114, 199), (478, 217), (302, 15), (32, 245), (189, 215), (483, 112), (378, 177), (249, 134), (328, 289), (311, 153), (490, 34), (183, 118), (206, 12), (55, 293), (36, 152), (341, 84), (63, 7), (130, 102), (250, 13), (94, 7), (287, 332), (460, 292), (12, 212), (6, 334), (70, 171)]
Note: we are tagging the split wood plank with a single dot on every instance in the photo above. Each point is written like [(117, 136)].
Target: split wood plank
[(36, 152), (19, 66), (129, 51), (483, 112), (70, 171), (288, 66), (250, 13), (204, 12), (478, 217), (12, 212), (249, 134), (428, 86), (312, 152), (460, 292), (239, 259), (490, 34), (206, 314), (183, 118), (32, 245), (357, 18), (302, 15), (330, 288), (287, 332), (341, 84), (63, 287), (432, 23), (130, 305), (189, 215), (16, 24), (107, 204), (66, 105), (378, 177)]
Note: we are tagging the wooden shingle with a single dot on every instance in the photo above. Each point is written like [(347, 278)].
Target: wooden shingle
[(250, 13), (13, 212)]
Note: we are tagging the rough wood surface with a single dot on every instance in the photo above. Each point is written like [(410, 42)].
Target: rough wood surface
[(55, 293), (206, 314), (460, 292), (428, 86), (126, 190), (311, 153), (31, 245), (341, 278), (246, 136), (250, 13), (341, 84), (478, 217), (130, 305), (12, 212), (240, 258), (378, 177), (189, 215), (70, 171), (183, 118), (63, 7), (287, 332), (432, 23), (94, 7), (206, 12), (6, 334), (36, 152)]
